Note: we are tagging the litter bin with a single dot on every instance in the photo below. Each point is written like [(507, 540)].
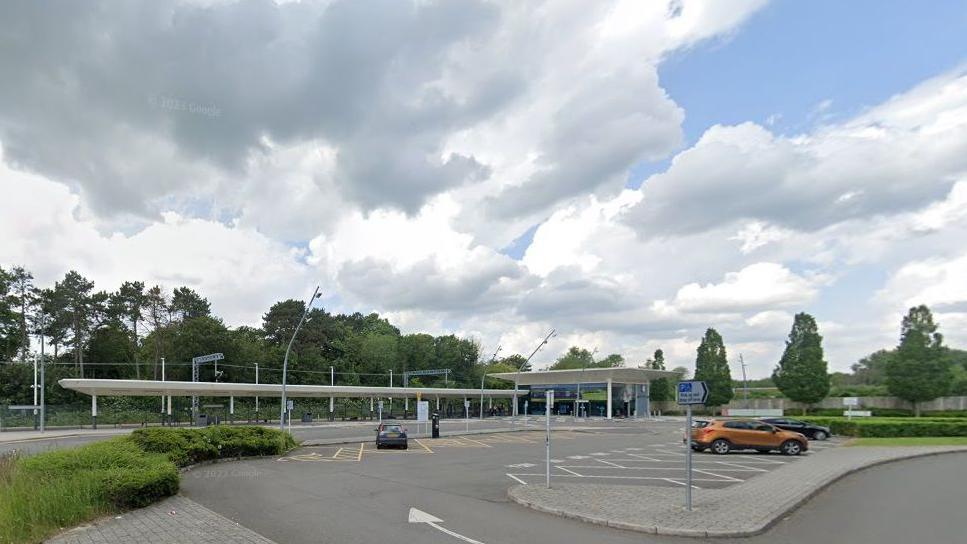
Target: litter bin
[(307, 417), (435, 433), (201, 420)]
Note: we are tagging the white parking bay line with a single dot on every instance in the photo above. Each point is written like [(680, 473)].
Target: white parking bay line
[(571, 471), (723, 476), (756, 469), (683, 483), (609, 463), (518, 479), (645, 457)]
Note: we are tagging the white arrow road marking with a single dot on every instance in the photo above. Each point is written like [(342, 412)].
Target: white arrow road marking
[(419, 516), (577, 457), (522, 465)]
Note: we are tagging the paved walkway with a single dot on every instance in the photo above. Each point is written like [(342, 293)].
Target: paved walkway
[(741, 510), (175, 520)]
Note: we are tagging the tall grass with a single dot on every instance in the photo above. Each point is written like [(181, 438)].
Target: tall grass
[(41, 494)]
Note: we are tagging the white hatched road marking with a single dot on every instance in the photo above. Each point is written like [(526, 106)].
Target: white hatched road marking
[(578, 457), (645, 457), (727, 478), (609, 463), (516, 478), (742, 466), (570, 471)]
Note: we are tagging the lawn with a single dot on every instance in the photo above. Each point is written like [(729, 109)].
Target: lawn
[(911, 441)]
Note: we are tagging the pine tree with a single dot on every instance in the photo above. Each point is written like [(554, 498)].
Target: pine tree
[(801, 373), (712, 367), (919, 372)]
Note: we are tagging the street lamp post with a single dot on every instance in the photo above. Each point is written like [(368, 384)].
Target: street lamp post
[(522, 365), (285, 363), (482, 378), (577, 399)]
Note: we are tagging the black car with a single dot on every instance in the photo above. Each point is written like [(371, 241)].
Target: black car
[(390, 434), (813, 432)]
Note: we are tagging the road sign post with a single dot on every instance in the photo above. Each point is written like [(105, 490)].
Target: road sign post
[(549, 399), (850, 403), (195, 361), (689, 393)]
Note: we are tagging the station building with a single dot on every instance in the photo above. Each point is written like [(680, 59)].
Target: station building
[(595, 392)]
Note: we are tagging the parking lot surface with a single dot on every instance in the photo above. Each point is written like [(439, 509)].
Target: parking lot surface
[(355, 493)]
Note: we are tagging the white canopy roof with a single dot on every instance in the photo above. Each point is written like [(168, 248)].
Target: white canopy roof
[(588, 375), (130, 388)]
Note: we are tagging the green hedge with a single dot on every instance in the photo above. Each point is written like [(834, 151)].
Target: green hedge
[(893, 427), (43, 493), (189, 446)]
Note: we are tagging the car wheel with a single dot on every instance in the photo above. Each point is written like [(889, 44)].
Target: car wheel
[(406, 446), (721, 446), (820, 435), (698, 448), (791, 447), (379, 446)]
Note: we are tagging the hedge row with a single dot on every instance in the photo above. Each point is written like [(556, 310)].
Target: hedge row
[(893, 427), (45, 492), (189, 446)]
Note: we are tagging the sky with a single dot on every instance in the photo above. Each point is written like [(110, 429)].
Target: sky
[(626, 173)]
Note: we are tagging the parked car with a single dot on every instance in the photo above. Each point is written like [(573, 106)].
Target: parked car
[(391, 434), (723, 436), (814, 432)]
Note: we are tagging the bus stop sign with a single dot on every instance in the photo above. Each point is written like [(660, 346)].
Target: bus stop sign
[(692, 392)]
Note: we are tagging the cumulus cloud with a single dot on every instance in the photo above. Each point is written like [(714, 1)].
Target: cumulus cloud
[(758, 285), (885, 161), (239, 270)]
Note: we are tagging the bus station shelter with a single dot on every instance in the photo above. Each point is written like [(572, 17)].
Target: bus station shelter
[(603, 392)]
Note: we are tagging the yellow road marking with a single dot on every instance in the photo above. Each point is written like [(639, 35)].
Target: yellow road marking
[(477, 442), (420, 442), (359, 457)]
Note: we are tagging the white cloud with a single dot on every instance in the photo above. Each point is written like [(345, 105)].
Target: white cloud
[(239, 270), (760, 285)]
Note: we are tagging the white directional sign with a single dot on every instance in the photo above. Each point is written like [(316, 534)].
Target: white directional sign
[(207, 358), (851, 401), (423, 411), (692, 392)]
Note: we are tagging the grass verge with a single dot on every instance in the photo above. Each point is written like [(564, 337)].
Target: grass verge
[(41, 494), (911, 441)]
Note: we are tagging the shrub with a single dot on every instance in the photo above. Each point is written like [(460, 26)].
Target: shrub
[(894, 427), (188, 446), (61, 488)]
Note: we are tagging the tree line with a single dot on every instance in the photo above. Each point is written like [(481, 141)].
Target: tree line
[(919, 369), (126, 333)]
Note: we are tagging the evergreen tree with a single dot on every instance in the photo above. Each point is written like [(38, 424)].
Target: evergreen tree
[(801, 373), (660, 389), (919, 371), (712, 367)]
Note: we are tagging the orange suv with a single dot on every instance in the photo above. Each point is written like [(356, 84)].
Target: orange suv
[(723, 436)]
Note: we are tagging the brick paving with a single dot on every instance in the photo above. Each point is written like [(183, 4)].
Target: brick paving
[(174, 520), (743, 509)]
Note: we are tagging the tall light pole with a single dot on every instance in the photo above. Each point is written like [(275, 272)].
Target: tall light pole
[(522, 365), (285, 363), (43, 409), (577, 399), (482, 378), (745, 381)]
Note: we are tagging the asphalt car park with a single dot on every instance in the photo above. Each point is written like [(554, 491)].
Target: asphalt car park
[(578, 456), (334, 493)]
